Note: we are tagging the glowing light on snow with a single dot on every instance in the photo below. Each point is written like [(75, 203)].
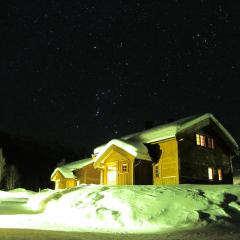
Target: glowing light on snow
[(34, 204), (132, 209)]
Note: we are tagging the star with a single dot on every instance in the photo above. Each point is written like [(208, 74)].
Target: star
[(97, 112)]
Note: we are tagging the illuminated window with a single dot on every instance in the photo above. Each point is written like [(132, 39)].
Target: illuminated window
[(124, 167), (198, 139), (204, 141), (210, 173), (201, 140), (157, 172), (220, 174)]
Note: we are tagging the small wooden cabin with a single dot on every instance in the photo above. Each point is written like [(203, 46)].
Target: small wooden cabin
[(124, 163), (75, 173), (196, 149)]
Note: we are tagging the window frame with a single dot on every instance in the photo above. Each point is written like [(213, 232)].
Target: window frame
[(124, 168), (203, 140), (210, 173)]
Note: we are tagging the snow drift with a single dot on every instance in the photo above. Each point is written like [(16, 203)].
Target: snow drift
[(131, 209)]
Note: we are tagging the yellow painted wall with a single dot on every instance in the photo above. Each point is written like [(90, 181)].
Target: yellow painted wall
[(70, 183), (61, 182), (65, 183), (116, 157), (168, 163), (88, 175)]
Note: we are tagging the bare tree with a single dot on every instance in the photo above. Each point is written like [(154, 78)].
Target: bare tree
[(12, 177), (2, 166)]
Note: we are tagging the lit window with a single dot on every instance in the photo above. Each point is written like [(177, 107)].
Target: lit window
[(202, 140), (210, 173), (220, 174), (124, 168), (157, 172), (198, 139)]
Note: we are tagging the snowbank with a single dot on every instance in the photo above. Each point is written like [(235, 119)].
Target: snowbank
[(131, 209)]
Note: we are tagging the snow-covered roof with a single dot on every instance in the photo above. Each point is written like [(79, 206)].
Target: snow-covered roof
[(67, 169), (135, 148), (170, 130)]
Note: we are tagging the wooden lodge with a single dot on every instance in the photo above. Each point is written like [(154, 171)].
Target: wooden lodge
[(75, 173), (197, 149)]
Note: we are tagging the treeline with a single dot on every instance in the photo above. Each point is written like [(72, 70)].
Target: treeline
[(9, 175), (32, 162)]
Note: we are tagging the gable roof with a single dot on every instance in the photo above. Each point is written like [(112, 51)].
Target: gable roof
[(67, 169), (135, 148), (170, 130)]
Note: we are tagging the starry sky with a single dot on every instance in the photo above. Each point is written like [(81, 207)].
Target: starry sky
[(83, 72)]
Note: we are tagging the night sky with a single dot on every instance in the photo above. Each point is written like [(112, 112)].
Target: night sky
[(83, 72)]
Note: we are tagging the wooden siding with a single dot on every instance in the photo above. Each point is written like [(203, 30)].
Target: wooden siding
[(195, 160), (167, 164), (70, 183), (88, 175), (116, 158), (61, 182)]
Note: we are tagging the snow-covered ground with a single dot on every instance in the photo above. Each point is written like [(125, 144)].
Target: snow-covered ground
[(106, 210)]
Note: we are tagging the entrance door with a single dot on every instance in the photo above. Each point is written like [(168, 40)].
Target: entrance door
[(112, 175), (123, 173)]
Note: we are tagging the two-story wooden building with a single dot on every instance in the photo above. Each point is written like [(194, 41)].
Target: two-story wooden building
[(196, 149)]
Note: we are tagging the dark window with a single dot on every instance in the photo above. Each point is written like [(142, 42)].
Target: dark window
[(210, 143)]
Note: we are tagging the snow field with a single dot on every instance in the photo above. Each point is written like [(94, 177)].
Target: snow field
[(122, 209)]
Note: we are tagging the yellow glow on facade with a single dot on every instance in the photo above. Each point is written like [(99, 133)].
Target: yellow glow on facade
[(57, 184), (112, 175), (220, 174)]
